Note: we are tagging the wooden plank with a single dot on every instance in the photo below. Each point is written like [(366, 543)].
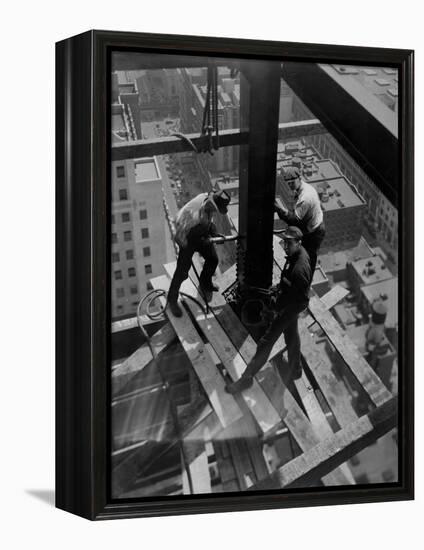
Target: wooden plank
[(254, 448), (320, 424), (334, 296), (293, 416), (231, 486), (196, 457), (330, 299), (226, 469), (350, 354), (254, 397), (312, 407), (223, 404), (333, 390), (306, 469), (257, 458), (136, 362), (227, 278), (200, 476), (241, 463)]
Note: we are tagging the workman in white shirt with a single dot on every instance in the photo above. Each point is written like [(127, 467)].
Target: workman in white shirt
[(306, 214), (194, 228)]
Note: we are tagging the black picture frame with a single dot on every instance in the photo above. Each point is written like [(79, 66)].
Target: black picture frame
[(82, 273)]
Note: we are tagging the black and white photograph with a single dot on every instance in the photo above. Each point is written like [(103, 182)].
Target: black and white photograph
[(211, 287), (254, 251)]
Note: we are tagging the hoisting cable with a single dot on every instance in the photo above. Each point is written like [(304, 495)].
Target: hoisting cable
[(210, 111), (186, 139), (210, 124)]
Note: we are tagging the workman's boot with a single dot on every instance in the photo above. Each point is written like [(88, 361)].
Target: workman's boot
[(206, 283), (206, 291), (175, 308), (241, 384)]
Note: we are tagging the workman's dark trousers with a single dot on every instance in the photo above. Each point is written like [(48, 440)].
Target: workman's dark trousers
[(285, 322), (311, 242), (206, 249)]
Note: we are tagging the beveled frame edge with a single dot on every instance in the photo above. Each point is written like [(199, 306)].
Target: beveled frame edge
[(82, 267)]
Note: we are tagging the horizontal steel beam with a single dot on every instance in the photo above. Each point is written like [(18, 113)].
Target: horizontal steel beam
[(363, 125), (227, 138)]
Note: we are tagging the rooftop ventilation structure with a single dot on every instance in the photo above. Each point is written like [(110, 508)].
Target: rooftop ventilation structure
[(369, 269)]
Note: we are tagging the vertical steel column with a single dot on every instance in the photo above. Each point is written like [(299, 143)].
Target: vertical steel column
[(259, 112)]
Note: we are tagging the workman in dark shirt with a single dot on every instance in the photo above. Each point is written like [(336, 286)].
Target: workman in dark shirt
[(307, 213), (292, 297)]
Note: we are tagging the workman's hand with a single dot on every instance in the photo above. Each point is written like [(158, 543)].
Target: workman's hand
[(274, 290), (285, 282), (267, 315), (280, 210)]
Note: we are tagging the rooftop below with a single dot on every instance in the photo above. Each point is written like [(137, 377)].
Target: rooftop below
[(146, 169), (371, 270)]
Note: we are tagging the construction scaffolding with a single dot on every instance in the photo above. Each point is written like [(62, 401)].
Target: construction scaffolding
[(238, 432)]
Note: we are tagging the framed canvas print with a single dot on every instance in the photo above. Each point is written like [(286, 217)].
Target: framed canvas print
[(234, 274)]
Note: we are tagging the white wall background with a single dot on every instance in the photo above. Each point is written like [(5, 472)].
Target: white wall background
[(29, 31)]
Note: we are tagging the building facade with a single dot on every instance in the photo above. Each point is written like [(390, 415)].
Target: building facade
[(139, 232)]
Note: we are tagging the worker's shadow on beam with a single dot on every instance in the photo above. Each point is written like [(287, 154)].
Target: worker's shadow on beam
[(45, 495), (287, 376)]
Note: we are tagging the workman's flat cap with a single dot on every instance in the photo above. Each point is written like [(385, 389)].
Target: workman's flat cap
[(292, 232), (291, 172), (222, 200)]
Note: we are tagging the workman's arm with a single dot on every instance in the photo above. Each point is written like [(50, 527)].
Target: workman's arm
[(291, 218), (202, 231), (199, 232)]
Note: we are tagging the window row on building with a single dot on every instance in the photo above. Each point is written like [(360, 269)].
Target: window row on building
[(118, 273), (116, 256), (132, 272), (133, 290), (128, 237)]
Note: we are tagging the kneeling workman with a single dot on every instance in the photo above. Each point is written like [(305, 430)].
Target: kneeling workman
[(194, 228), (292, 298)]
